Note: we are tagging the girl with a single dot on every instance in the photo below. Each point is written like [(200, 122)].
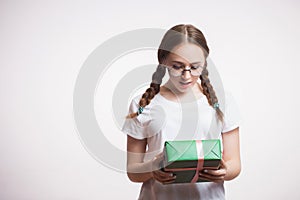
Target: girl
[(183, 108)]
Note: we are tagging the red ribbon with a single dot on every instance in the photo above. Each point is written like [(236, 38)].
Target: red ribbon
[(200, 160)]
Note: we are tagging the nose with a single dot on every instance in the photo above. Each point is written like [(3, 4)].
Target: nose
[(186, 74)]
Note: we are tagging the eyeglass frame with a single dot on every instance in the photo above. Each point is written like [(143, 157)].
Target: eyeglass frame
[(186, 68)]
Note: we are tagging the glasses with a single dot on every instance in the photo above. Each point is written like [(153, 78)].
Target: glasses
[(178, 70)]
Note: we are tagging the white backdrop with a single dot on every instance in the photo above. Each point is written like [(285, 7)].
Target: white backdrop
[(43, 45)]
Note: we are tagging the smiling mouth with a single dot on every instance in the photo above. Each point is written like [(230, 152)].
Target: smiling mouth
[(184, 83)]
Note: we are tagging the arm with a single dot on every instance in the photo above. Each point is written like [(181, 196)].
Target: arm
[(137, 170), (140, 171), (231, 154), (231, 163)]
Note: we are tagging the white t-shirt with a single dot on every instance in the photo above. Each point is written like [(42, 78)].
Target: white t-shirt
[(164, 120)]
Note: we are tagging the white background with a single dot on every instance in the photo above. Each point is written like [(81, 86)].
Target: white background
[(43, 45)]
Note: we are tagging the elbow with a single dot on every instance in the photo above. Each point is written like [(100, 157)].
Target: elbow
[(232, 174), (237, 172), (139, 177), (133, 177)]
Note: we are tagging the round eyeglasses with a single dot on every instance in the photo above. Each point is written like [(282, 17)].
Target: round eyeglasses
[(178, 70)]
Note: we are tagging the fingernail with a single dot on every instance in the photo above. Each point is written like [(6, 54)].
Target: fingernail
[(205, 171), (171, 174)]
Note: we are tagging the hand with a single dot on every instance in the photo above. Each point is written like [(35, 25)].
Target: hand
[(214, 175), (158, 174)]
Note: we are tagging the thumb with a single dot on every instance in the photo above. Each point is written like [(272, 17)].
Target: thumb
[(223, 164), (157, 162)]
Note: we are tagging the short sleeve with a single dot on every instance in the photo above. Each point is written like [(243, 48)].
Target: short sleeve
[(135, 127), (232, 115)]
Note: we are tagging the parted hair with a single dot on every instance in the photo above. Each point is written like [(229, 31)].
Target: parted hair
[(179, 34)]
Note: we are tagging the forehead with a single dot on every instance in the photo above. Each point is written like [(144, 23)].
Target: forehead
[(188, 53)]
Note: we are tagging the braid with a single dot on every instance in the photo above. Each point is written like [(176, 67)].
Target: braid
[(151, 91), (210, 93)]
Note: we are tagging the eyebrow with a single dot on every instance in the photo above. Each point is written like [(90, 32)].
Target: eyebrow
[(183, 63)]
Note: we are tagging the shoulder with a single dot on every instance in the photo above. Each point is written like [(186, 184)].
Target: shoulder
[(232, 115)]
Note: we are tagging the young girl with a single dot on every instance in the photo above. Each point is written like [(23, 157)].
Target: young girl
[(184, 108)]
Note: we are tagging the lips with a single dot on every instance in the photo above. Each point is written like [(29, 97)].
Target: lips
[(185, 84)]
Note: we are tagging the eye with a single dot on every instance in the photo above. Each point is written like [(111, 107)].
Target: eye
[(177, 67), (196, 67)]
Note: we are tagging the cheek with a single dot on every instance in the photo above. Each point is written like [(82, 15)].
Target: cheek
[(195, 79), (174, 79)]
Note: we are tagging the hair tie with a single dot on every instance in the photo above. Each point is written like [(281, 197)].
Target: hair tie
[(140, 110), (216, 105)]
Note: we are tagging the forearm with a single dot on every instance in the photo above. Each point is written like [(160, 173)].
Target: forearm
[(231, 154), (233, 169), (140, 172)]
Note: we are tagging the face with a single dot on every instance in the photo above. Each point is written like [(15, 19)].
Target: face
[(186, 56)]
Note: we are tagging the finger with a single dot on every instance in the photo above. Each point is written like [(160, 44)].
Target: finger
[(204, 178), (222, 161), (156, 164), (163, 176), (168, 182), (211, 180), (211, 177), (223, 164), (165, 180), (220, 172)]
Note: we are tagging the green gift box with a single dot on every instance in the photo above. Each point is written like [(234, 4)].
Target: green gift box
[(186, 157)]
